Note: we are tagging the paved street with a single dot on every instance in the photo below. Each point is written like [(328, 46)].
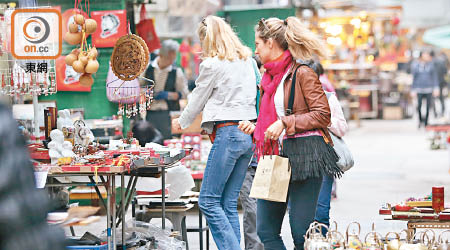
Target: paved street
[(393, 162)]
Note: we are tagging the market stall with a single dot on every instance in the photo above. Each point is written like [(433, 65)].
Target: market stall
[(367, 50), (133, 163), (428, 212)]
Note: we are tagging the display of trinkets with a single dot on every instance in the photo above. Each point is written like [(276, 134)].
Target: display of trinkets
[(28, 77), (317, 239)]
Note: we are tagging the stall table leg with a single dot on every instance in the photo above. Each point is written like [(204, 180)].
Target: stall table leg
[(113, 205), (108, 213), (163, 190), (122, 204)]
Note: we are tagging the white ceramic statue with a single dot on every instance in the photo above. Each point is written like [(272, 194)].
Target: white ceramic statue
[(67, 149), (64, 120), (68, 121), (56, 145), (61, 119), (53, 152)]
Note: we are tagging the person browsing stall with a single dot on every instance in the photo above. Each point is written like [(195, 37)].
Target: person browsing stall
[(226, 93), (302, 130)]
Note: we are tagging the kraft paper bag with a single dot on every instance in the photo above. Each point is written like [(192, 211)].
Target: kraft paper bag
[(272, 178)]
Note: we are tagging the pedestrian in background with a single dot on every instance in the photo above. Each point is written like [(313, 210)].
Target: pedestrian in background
[(338, 127), (441, 64), (425, 84), (170, 86), (226, 93), (326, 84), (249, 205), (304, 134)]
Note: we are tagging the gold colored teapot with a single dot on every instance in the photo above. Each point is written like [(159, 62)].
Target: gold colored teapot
[(393, 244), (352, 239), (417, 244), (337, 240), (373, 240)]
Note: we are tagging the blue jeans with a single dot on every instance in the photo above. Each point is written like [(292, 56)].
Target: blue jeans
[(323, 203), (224, 174), (302, 199)]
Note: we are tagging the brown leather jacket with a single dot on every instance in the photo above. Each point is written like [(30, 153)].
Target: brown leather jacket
[(310, 110)]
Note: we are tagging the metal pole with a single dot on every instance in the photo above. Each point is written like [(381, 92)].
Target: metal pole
[(36, 115), (163, 189), (113, 191), (130, 182), (108, 213), (200, 227), (100, 197), (130, 194), (122, 203)]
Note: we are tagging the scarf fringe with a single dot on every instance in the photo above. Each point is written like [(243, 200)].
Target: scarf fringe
[(311, 157)]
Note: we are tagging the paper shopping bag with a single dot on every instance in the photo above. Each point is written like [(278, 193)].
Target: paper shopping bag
[(272, 178)]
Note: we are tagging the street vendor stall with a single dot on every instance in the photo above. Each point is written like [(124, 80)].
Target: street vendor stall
[(420, 213), (366, 48), (134, 163)]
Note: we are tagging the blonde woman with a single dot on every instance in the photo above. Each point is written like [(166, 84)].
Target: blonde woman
[(226, 93), (299, 124)]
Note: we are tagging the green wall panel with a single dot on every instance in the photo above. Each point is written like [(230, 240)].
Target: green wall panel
[(244, 21), (95, 103)]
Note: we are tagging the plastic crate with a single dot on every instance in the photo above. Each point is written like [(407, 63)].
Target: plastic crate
[(101, 247)]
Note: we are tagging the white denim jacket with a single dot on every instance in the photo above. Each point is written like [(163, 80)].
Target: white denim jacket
[(225, 90)]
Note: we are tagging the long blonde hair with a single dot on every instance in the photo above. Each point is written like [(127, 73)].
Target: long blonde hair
[(292, 34), (218, 39)]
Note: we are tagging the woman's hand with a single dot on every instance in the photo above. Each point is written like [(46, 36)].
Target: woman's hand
[(274, 131), (247, 127), (176, 126)]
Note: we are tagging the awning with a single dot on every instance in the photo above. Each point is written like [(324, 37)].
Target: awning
[(439, 37)]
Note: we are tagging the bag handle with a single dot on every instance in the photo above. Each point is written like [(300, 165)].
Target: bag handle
[(271, 147), (142, 13)]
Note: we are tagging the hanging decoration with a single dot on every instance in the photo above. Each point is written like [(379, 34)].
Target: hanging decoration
[(18, 81), (146, 29), (129, 60), (82, 59), (130, 57)]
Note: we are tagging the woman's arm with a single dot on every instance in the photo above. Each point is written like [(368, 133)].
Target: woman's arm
[(205, 85), (319, 115)]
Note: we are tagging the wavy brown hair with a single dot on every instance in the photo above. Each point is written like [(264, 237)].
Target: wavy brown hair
[(291, 34)]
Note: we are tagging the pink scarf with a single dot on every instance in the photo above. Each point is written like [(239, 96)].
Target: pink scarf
[(275, 71)]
